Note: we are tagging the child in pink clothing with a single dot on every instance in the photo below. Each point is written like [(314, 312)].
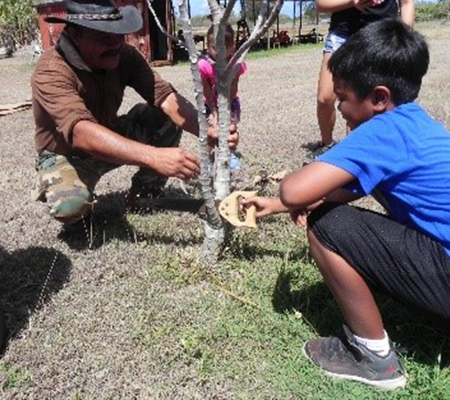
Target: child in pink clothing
[(208, 74)]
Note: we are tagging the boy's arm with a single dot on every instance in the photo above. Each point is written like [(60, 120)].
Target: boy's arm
[(407, 11), (268, 206), (342, 196), (312, 184), (265, 206)]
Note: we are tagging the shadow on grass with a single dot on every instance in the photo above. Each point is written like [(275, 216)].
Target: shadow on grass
[(243, 248), (109, 222), (251, 252), (422, 336), (28, 279)]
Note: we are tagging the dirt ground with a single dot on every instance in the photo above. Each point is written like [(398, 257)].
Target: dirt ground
[(71, 298)]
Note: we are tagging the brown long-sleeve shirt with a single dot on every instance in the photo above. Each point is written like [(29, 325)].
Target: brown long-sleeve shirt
[(66, 91)]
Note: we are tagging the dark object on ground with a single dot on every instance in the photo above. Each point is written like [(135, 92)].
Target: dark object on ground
[(311, 37)]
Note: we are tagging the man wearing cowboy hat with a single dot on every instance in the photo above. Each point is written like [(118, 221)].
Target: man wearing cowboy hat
[(78, 87)]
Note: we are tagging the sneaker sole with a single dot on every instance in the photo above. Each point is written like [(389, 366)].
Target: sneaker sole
[(391, 384)]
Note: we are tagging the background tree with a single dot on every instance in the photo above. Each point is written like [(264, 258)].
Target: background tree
[(432, 11), (18, 22)]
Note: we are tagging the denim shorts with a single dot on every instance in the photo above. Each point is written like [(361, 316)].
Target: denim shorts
[(333, 41)]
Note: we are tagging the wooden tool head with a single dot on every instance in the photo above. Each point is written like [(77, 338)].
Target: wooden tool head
[(230, 209)]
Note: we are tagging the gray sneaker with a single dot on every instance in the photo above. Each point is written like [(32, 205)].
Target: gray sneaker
[(349, 360)]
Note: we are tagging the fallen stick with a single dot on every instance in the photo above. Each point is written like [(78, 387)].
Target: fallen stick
[(7, 109), (236, 297)]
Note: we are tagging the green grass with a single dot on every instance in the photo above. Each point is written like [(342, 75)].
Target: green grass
[(136, 315), (264, 53), (14, 376), (250, 315)]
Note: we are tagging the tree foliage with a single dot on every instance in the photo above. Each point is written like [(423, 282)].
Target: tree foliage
[(431, 11), (309, 12), (18, 21)]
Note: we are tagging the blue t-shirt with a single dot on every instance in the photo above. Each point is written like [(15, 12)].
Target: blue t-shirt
[(402, 156)]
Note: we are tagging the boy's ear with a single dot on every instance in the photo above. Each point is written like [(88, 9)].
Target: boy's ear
[(381, 98)]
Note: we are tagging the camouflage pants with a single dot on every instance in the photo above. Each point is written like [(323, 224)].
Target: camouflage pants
[(68, 183)]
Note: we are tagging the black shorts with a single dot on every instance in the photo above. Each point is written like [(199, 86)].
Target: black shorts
[(391, 257)]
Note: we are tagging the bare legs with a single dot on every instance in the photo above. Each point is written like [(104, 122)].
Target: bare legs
[(326, 111), (349, 290)]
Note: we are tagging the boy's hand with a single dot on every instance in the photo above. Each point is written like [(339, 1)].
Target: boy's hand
[(299, 217), (265, 206)]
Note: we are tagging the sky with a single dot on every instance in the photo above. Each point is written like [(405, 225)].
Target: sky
[(200, 7)]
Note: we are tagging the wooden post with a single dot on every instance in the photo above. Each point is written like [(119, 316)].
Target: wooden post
[(301, 19), (294, 10)]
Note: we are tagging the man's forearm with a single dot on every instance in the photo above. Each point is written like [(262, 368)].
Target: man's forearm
[(109, 146)]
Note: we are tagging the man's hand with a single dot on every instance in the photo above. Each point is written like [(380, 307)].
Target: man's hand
[(175, 162), (265, 206)]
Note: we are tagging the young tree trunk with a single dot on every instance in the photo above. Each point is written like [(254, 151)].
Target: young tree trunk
[(215, 179), (214, 225)]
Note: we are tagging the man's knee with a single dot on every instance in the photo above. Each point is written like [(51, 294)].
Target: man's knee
[(68, 197), (70, 205)]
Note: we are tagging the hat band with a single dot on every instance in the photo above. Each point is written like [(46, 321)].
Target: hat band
[(94, 17)]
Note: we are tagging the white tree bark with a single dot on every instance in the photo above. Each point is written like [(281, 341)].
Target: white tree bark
[(214, 225), (215, 180)]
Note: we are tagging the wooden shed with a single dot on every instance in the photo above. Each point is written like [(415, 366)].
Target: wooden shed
[(154, 45)]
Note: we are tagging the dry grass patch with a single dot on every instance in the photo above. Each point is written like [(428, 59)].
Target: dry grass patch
[(129, 313)]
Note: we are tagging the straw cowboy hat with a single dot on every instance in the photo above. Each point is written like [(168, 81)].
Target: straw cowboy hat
[(101, 15)]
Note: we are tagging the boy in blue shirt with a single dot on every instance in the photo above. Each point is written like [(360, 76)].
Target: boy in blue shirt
[(401, 156)]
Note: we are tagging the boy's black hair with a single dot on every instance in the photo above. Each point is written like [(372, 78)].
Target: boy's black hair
[(384, 53)]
